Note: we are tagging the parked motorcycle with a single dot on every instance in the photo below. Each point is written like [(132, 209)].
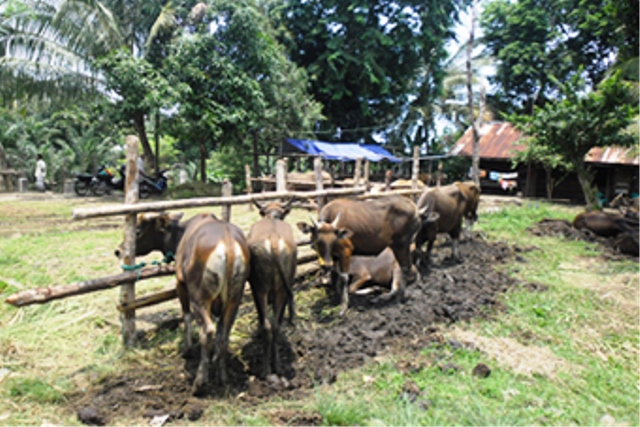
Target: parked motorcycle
[(101, 182), (149, 186), (82, 183)]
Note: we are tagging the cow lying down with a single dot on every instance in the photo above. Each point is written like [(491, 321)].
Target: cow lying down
[(381, 272), (624, 227)]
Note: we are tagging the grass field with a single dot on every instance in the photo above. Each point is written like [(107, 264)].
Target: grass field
[(567, 354)]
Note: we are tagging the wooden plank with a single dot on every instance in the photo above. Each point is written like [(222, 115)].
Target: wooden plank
[(159, 206), (50, 293)]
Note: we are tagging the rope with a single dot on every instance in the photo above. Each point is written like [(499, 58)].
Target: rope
[(168, 258)]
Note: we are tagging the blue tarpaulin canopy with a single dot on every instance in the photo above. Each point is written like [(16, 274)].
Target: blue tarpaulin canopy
[(343, 151)]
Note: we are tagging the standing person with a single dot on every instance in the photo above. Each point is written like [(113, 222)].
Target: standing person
[(141, 164), (41, 173)]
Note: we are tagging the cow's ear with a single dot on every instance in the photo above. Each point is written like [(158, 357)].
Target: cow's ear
[(344, 233), (163, 221), (432, 217), (304, 227), (176, 216)]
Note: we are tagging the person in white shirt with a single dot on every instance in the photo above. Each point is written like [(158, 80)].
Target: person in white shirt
[(41, 173)]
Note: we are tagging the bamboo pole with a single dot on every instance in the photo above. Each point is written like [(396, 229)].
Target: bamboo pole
[(247, 177), (227, 190), (128, 289), (415, 171), (50, 293), (317, 169), (159, 206), (357, 173), (281, 175), (366, 173)]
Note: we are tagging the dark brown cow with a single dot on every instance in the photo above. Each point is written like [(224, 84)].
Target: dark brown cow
[(600, 223), (352, 227), (212, 266), (158, 232), (273, 267), (381, 270), (453, 203)]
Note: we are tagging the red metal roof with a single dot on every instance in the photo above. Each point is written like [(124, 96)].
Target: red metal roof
[(499, 140)]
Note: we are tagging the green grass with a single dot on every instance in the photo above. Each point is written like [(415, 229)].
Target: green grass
[(587, 321)]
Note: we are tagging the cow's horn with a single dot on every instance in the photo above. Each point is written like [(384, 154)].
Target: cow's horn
[(313, 221), (255, 202), (335, 221)]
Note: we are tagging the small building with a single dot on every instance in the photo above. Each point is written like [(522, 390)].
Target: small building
[(615, 169)]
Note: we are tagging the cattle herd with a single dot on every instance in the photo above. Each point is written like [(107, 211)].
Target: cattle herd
[(377, 240)]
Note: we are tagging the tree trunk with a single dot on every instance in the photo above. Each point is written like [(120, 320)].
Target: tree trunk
[(156, 134), (139, 125), (550, 184), (203, 161), (475, 163), (588, 190), (256, 166)]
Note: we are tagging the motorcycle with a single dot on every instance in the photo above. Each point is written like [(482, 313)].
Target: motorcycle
[(103, 182), (149, 186), (82, 183)]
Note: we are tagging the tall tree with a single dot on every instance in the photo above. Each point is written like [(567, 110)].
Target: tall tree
[(370, 60), (538, 42), (573, 125)]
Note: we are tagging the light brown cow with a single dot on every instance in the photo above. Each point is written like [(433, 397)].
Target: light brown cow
[(273, 267), (306, 180), (381, 270), (212, 266), (453, 203), (352, 227)]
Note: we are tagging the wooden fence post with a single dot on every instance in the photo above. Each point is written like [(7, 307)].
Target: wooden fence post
[(416, 167), (439, 179), (317, 169), (281, 175), (366, 174), (128, 290), (247, 177), (357, 173), (227, 190)]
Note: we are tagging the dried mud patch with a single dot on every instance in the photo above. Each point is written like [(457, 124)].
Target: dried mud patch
[(508, 352), (319, 348)]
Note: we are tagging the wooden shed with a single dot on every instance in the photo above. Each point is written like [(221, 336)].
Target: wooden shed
[(615, 168)]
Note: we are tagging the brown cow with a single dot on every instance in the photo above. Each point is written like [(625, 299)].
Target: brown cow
[(381, 270), (453, 203), (212, 266), (307, 180), (353, 227), (600, 223), (273, 267)]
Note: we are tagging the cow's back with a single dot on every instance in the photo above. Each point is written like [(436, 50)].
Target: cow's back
[(375, 223), (212, 259), (272, 240), (600, 223)]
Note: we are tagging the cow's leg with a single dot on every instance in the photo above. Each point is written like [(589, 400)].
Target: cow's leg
[(344, 291), (222, 337), (183, 296), (206, 329), (282, 299), (455, 239), (364, 278), (260, 298)]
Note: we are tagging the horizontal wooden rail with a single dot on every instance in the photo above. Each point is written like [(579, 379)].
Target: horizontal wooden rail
[(42, 295), (124, 209)]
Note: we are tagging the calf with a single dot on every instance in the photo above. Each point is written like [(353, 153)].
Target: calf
[(381, 270), (212, 266), (600, 223), (273, 267), (353, 227), (453, 203)]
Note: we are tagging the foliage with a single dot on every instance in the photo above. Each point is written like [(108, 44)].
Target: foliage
[(540, 42), (368, 61), (572, 126), (240, 88)]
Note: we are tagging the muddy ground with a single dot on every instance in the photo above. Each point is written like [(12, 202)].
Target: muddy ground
[(318, 349)]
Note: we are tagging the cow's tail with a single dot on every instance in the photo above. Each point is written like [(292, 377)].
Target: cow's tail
[(286, 280)]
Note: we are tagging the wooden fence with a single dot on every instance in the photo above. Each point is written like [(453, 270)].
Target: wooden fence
[(130, 208)]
